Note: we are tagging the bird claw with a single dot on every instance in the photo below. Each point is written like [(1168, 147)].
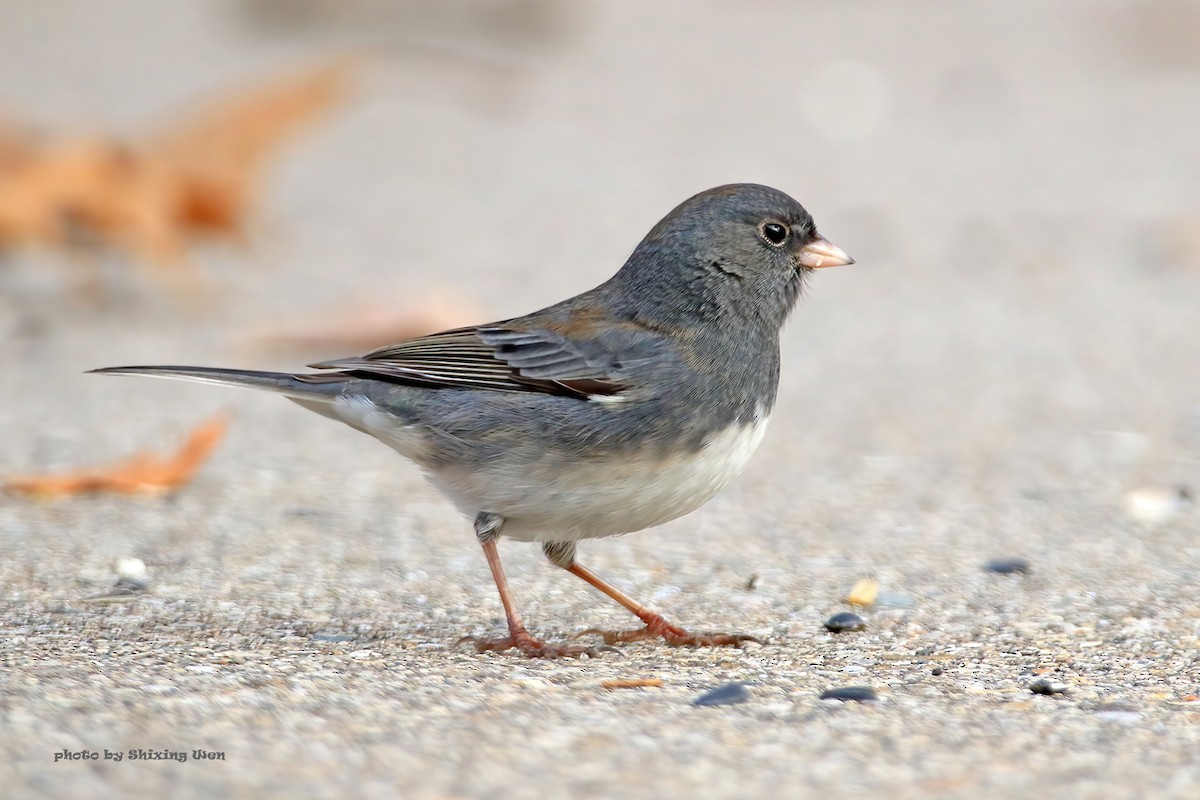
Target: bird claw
[(533, 648), (672, 635), (711, 639)]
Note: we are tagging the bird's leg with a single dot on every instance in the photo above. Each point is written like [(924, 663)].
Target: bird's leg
[(562, 554), (487, 530)]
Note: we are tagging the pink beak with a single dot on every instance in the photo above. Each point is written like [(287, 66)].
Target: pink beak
[(821, 252)]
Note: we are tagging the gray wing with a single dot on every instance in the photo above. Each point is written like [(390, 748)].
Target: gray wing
[(511, 359)]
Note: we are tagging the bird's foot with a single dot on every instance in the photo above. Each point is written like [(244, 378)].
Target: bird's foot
[(531, 647), (659, 628)]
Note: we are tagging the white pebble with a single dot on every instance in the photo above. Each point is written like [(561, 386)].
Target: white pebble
[(133, 569), (1153, 504)]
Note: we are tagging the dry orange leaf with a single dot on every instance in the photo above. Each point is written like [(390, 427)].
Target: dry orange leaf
[(142, 474), (219, 153), (151, 197), (632, 683)]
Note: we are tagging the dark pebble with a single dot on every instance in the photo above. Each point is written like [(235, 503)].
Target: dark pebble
[(845, 621), (331, 637), (1047, 686), (861, 694), (725, 695), (937, 671), (1007, 566)]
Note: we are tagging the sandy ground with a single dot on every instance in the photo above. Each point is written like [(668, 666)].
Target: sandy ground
[(1015, 351)]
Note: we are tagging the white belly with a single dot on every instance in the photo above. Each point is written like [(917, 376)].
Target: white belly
[(556, 501), (589, 500)]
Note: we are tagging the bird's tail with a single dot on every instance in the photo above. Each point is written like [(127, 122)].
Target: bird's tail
[(320, 388)]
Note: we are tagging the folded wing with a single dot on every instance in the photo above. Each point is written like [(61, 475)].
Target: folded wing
[(508, 359)]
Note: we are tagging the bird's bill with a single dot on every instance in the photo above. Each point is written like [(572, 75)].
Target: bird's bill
[(821, 252)]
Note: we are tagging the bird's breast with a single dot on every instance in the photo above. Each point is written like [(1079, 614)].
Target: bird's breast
[(563, 499)]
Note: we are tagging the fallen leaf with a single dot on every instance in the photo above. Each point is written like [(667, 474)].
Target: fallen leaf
[(142, 474), (218, 154), (632, 683), (153, 197)]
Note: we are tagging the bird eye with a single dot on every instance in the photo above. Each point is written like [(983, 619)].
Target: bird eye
[(773, 232)]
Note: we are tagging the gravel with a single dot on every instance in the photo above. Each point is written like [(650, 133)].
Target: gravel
[(1013, 354)]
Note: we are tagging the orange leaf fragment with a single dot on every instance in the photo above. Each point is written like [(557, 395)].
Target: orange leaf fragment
[(632, 683), (216, 157), (142, 474), (153, 197)]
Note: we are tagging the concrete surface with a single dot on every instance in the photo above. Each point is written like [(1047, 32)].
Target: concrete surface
[(1016, 349)]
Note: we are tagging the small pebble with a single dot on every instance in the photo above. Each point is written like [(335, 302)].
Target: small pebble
[(1153, 504), (860, 694), (131, 568), (937, 671), (863, 593), (331, 637), (845, 621), (726, 695), (1007, 566), (132, 574), (1047, 686)]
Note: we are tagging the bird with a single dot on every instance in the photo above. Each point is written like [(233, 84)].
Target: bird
[(622, 408)]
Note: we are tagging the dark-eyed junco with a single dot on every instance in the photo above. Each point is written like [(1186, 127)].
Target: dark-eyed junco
[(625, 407)]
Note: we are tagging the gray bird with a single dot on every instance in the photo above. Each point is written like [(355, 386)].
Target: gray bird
[(627, 406)]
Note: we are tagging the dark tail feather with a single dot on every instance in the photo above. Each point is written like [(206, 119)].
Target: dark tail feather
[(325, 389)]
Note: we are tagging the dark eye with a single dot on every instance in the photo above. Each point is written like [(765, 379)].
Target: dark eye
[(774, 233)]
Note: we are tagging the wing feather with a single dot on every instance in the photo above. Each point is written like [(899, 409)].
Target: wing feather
[(500, 358)]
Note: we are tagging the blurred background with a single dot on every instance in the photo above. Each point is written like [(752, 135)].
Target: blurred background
[(1020, 185), (1010, 368)]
